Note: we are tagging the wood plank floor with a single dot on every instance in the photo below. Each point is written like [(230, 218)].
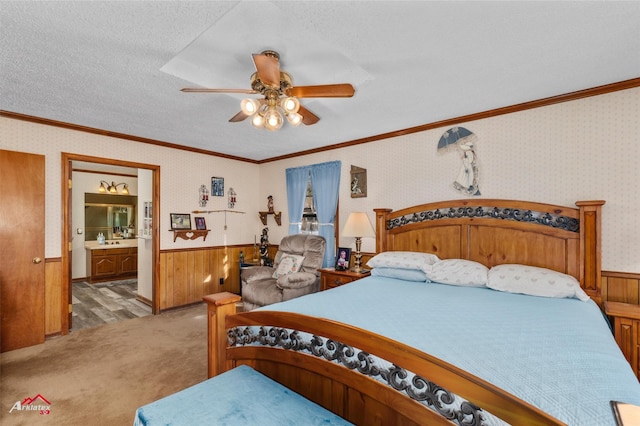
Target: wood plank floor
[(105, 303)]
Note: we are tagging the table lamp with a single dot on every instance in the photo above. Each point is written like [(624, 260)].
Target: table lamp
[(358, 225)]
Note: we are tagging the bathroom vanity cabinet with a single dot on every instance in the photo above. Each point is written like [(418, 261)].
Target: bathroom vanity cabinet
[(112, 262)]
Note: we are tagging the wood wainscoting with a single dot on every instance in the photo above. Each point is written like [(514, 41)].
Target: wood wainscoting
[(187, 275), (53, 296)]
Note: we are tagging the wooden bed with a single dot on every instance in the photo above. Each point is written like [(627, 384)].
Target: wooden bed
[(488, 231)]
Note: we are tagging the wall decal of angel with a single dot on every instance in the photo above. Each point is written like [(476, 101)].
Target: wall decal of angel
[(463, 141)]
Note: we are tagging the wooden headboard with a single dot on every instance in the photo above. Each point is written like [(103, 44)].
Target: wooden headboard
[(493, 232)]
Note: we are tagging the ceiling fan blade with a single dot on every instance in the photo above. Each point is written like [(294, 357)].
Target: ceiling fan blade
[(308, 118), (268, 69), (202, 90), (345, 90), (238, 117)]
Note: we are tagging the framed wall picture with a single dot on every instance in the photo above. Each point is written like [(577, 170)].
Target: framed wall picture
[(217, 187), (200, 223), (343, 258), (180, 221), (358, 182)]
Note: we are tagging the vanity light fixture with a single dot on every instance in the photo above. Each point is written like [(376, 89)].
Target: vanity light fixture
[(113, 188)]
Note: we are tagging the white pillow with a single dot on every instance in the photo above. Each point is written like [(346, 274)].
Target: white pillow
[(400, 273), (289, 263), (460, 272), (535, 281), (402, 260)]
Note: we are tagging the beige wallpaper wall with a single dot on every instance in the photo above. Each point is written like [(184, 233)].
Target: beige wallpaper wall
[(181, 174), (585, 149), (582, 150)]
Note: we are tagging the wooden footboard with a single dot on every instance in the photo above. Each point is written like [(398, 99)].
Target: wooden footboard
[(341, 368)]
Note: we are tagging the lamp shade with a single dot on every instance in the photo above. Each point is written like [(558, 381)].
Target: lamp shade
[(358, 225)]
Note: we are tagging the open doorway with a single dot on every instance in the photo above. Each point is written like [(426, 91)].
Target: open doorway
[(145, 238)]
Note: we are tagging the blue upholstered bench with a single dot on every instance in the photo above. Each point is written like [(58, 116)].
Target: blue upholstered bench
[(241, 396)]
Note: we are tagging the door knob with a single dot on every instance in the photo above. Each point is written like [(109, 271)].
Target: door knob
[(36, 260)]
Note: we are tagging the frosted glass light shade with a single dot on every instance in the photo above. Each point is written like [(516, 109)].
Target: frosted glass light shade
[(273, 119), (290, 105), (294, 118), (257, 121), (249, 106)]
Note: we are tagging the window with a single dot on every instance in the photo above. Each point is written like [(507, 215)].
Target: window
[(309, 223), (322, 182)]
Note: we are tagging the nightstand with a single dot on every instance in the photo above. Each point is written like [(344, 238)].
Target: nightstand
[(626, 328), (330, 278)]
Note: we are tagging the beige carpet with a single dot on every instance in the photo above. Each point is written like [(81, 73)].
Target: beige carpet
[(99, 376)]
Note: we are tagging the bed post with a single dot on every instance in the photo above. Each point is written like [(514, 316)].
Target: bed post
[(591, 247), (381, 229), (219, 306)]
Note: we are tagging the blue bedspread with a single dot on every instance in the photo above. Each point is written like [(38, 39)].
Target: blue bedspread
[(238, 397), (557, 354)]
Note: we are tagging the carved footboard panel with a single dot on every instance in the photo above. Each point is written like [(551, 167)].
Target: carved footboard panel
[(363, 377)]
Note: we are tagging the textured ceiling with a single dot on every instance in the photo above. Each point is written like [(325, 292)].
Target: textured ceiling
[(119, 66)]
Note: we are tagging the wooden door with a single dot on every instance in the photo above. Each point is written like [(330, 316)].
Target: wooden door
[(22, 231)]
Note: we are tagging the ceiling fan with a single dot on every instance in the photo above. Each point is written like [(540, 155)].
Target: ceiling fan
[(280, 95)]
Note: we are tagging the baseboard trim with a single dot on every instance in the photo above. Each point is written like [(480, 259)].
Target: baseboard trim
[(144, 300)]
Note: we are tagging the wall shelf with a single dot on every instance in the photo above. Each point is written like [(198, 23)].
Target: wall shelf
[(189, 234), (276, 215)]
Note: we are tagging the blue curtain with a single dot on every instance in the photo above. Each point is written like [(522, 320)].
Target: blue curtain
[(325, 182), (297, 179)]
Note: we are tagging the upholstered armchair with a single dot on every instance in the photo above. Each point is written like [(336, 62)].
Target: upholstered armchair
[(294, 272)]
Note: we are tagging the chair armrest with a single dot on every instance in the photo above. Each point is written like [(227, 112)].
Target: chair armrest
[(296, 280), (257, 273)]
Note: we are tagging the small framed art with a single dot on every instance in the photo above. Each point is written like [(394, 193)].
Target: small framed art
[(200, 223), (217, 187), (180, 221), (342, 259), (358, 182)]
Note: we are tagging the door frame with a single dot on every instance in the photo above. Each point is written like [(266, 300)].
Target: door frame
[(67, 229)]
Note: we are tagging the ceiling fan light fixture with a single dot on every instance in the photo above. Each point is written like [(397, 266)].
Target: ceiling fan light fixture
[(249, 106)]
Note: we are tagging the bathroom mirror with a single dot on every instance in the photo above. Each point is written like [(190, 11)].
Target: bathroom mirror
[(112, 215)]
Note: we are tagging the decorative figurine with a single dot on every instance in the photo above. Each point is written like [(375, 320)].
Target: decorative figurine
[(270, 204), (464, 140), (264, 248)]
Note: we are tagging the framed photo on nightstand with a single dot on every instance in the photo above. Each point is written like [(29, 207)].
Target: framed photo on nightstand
[(342, 259)]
